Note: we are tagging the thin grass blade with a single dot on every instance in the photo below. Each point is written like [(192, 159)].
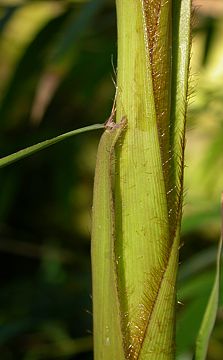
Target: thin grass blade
[(212, 307), (7, 160)]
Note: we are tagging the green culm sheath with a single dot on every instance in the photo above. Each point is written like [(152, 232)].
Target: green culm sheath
[(138, 187), (104, 262), (136, 227)]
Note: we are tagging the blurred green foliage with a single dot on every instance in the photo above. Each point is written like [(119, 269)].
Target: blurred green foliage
[(56, 75)]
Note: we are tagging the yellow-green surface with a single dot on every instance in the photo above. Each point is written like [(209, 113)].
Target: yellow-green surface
[(148, 181), (46, 200), (142, 228), (107, 326)]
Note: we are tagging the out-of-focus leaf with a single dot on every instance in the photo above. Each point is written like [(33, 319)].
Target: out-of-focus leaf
[(74, 28), (62, 349), (214, 153), (13, 2), (22, 85), (6, 16), (195, 286), (21, 29), (10, 185), (40, 304), (197, 220), (210, 28), (10, 330), (62, 58), (196, 264)]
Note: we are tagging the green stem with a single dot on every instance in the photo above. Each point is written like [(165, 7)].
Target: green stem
[(148, 184)]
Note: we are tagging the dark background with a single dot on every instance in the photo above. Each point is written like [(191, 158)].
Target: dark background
[(56, 71)]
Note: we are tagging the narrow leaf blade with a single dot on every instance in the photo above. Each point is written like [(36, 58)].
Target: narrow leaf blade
[(7, 160), (211, 309)]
